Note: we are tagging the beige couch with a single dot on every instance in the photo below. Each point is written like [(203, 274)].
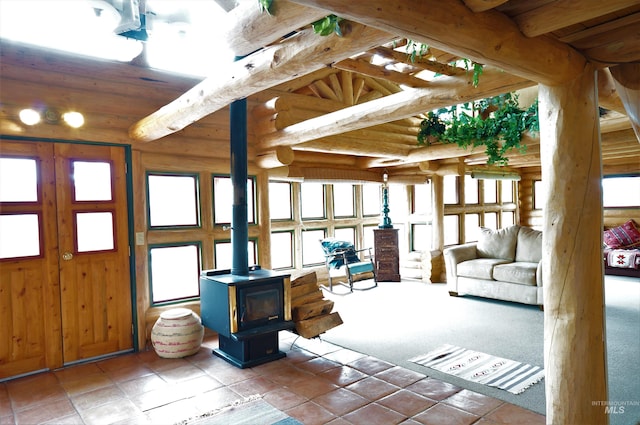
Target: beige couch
[(504, 264)]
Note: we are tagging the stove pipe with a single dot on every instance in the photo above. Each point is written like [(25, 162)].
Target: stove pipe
[(239, 224)]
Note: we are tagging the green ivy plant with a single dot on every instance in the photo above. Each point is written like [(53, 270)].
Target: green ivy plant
[(497, 124), (265, 5), (328, 25)]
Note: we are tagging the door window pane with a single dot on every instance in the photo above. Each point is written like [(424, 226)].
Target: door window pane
[(312, 197), (19, 235), (282, 250), (174, 273), (451, 232), (224, 254), (91, 181), (280, 200), (173, 200), (371, 195), (18, 180), (94, 231), (490, 191), (450, 187), (223, 200), (343, 200), (311, 249)]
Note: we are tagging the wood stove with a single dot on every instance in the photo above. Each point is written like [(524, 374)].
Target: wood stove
[(247, 312)]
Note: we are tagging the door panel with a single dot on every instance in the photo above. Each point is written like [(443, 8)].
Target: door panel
[(94, 274), (65, 296), (30, 327)]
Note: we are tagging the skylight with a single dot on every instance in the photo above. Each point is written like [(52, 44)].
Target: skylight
[(182, 33)]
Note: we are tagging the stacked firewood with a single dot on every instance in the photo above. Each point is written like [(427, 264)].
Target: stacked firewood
[(310, 311)]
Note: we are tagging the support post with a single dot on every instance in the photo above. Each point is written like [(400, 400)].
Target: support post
[(574, 321)]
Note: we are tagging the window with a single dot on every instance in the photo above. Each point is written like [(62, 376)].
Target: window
[(371, 194), (422, 199), (490, 189), (346, 234), (343, 200), (421, 237), (471, 225), (173, 200), (507, 191), (282, 250), (621, 191), (280, 200), (223, 252), (450, 187), (491, 220), (470, 190), (398, 203), (451, 229), (174, 272), (508, 218), (311, 250), (313, 201), (223, 200), (539, 195)]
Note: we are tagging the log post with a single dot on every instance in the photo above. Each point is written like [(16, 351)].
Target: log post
[(574, 327)]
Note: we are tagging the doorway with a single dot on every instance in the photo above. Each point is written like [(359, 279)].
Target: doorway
[(65, 284)]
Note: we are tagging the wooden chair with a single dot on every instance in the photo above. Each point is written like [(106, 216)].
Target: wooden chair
[(343, 262)]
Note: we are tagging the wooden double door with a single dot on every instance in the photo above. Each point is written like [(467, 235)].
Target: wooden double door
[(65, 291)]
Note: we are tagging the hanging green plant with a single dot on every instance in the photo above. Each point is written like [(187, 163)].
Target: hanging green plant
[(328, 25), (496, 123), (265, 5)]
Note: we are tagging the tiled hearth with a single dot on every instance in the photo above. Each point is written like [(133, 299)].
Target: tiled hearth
[(317, 383)]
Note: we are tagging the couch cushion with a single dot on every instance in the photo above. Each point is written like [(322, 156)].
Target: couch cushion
[(529, 247), (480, 268), (498, 243), (523, 273)]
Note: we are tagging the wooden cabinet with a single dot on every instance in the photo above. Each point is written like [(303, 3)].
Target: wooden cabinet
[(386, 254)]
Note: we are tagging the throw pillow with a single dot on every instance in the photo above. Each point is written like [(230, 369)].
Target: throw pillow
[(623, 236), (498, 243), (529, 248), (332, 247)]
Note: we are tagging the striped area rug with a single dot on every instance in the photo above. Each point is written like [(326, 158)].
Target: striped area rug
[(482, 368)]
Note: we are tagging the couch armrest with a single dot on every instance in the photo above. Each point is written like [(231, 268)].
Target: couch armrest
[(539, 274), (452, 257)]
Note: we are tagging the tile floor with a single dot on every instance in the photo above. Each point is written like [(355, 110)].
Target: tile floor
[(317, 383)]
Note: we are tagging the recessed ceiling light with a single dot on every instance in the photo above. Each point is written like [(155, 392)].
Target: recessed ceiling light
[(29, 116), (73, 119)]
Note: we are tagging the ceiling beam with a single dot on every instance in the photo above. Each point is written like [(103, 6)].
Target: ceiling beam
[(248, 28), (487, 37), (298, 55), (445, 91), (563, 13)]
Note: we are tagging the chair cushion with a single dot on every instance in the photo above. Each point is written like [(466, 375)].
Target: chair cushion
[(529, 247), (480, 268), (361, 267), (522, 272), (498, 243)]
